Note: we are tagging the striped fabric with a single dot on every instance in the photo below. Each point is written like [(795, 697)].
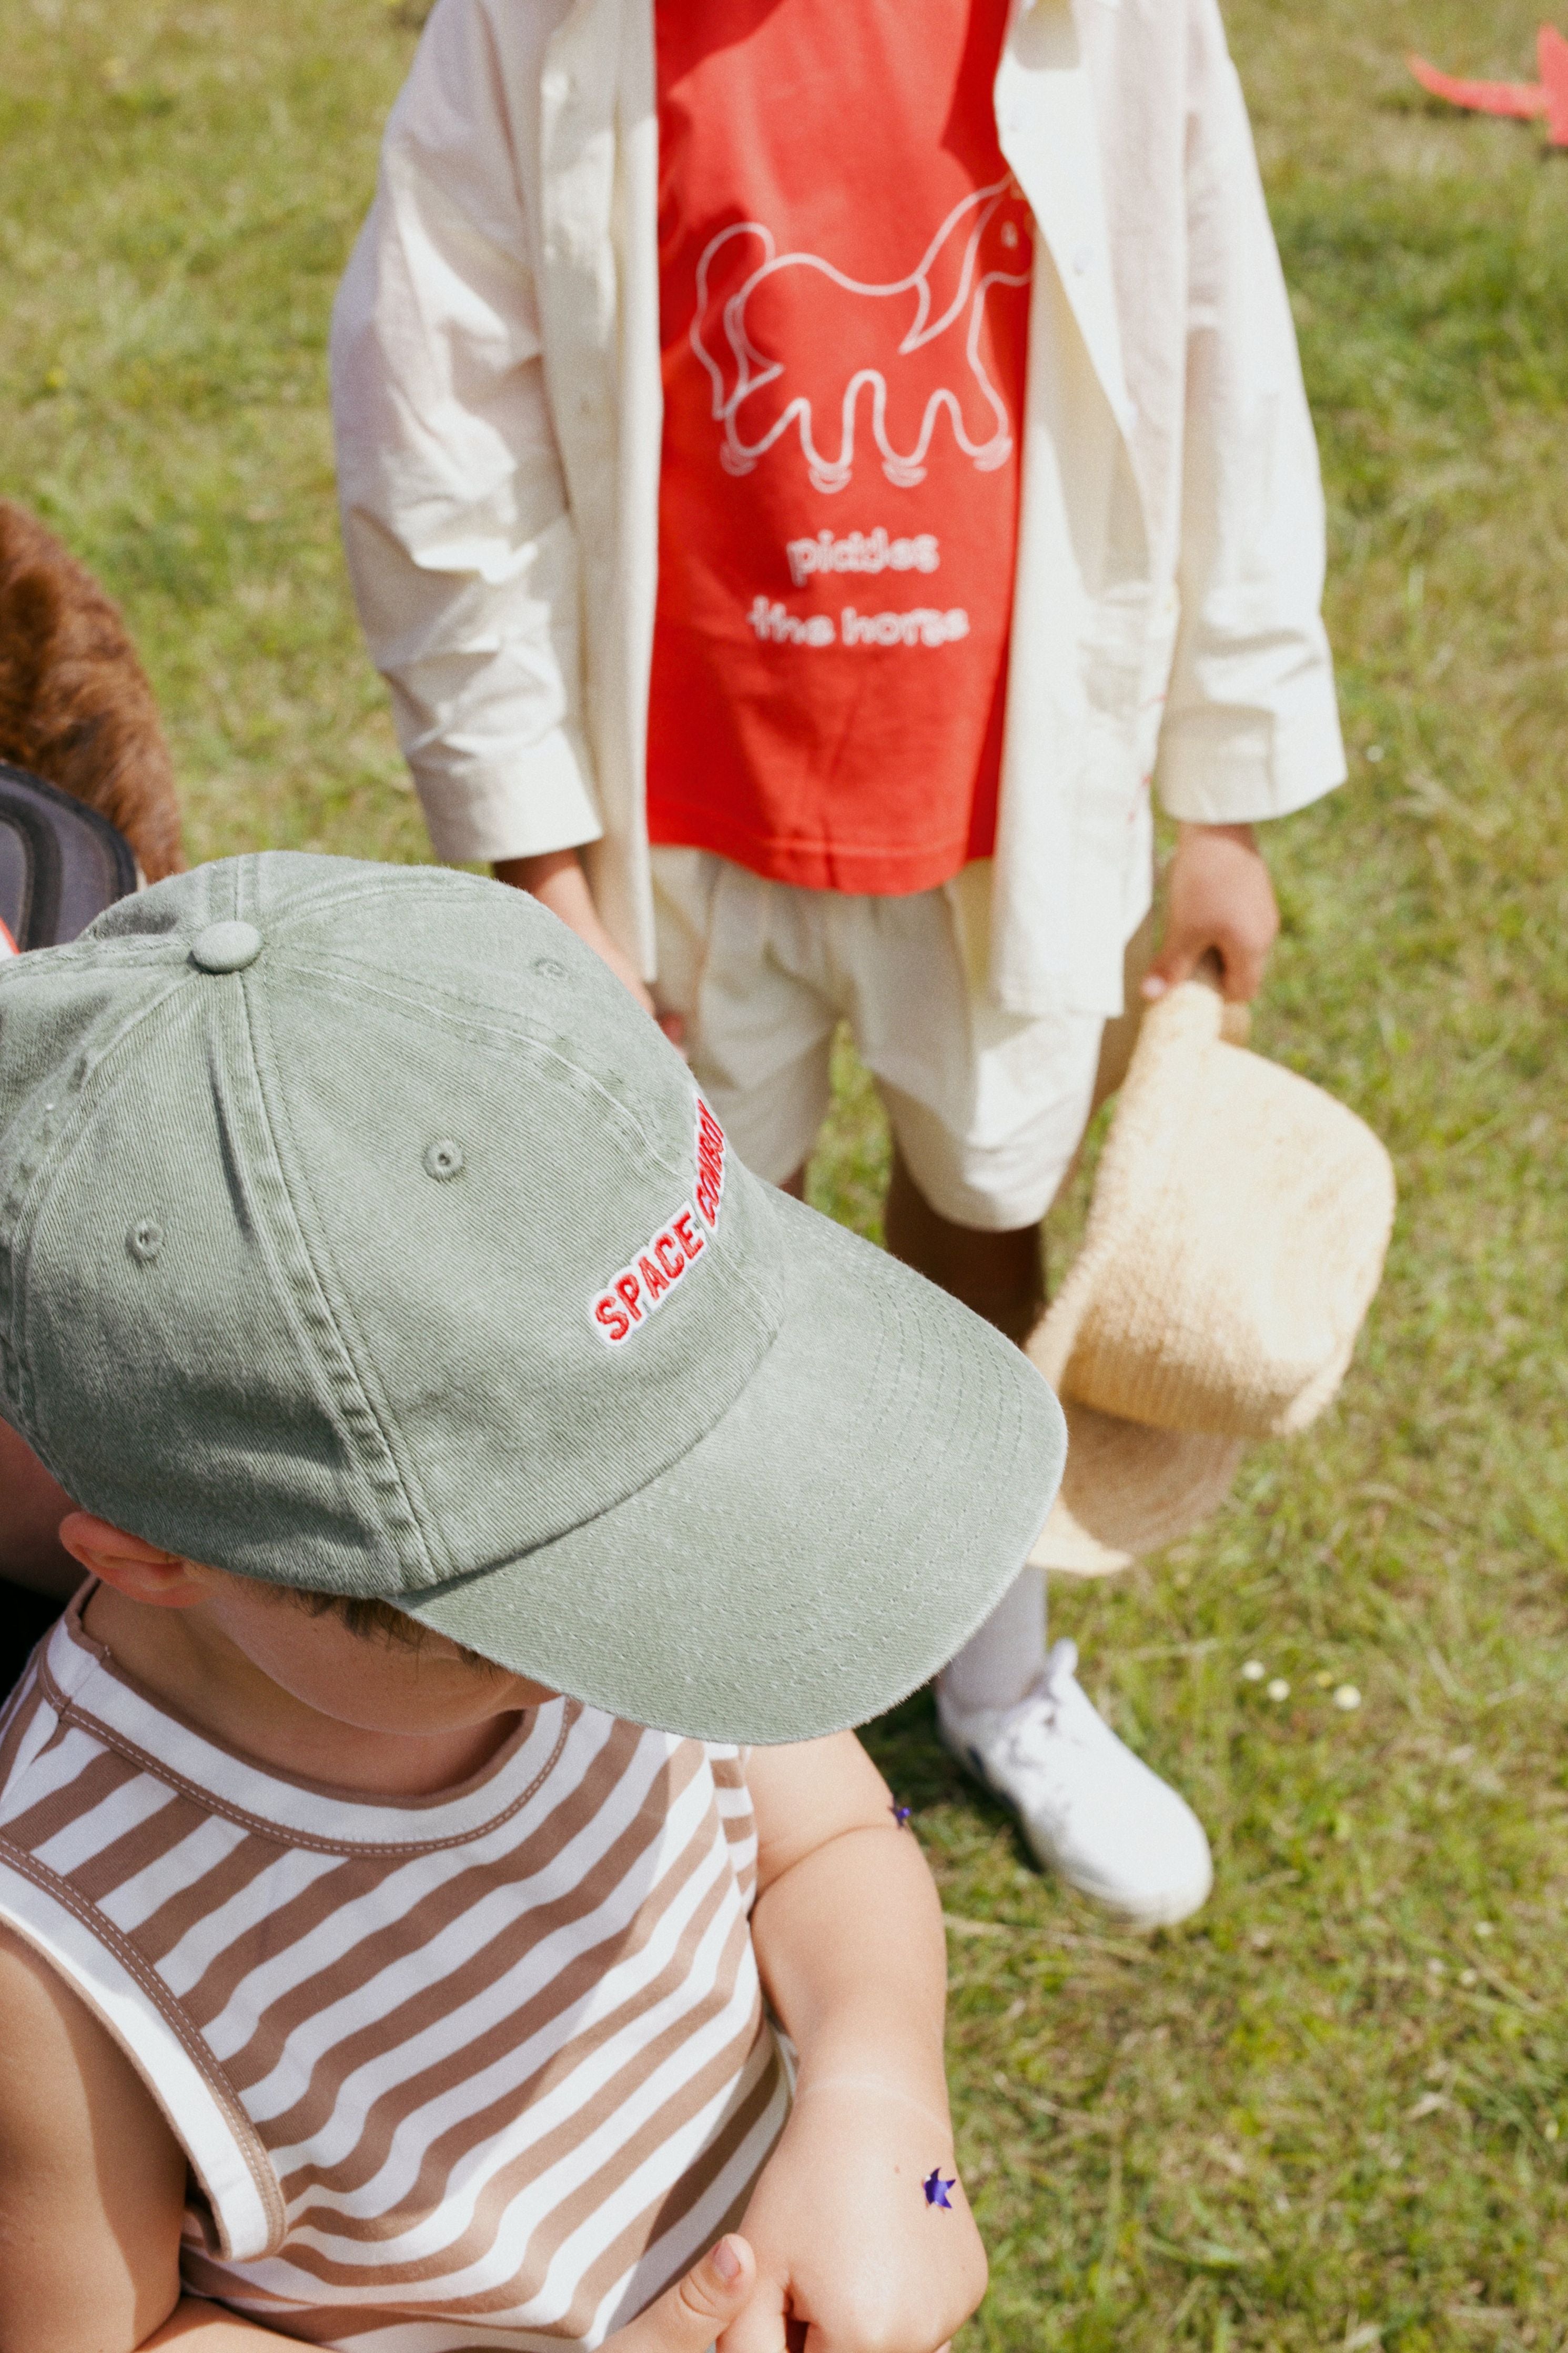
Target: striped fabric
[(481, 2070)]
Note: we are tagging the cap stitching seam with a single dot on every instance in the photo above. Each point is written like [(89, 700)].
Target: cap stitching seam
[(463, 1017), (31, 1181), (360, 1419), (370, 881), (366, 1372)]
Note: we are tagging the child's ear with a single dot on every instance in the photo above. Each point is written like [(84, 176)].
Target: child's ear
[(142, 1571)]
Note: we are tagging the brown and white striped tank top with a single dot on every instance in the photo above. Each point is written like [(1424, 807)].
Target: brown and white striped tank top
[(483, 2070)]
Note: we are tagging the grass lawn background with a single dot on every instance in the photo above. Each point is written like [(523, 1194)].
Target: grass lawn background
[(1333, 2111)]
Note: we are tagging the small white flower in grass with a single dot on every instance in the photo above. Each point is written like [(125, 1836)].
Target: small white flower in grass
[(1348, 1697), (1254, 1672), (1278, 1689), (1484, 1928), (1551, 2128), (1469, 1977)]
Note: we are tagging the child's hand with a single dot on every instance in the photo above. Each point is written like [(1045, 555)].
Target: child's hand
[(557, 880), (686, 2319), (1218, 896), (851, 2256), (690, 2315)]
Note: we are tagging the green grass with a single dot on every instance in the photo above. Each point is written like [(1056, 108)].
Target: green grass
[(179, 187), (1333, 2112)]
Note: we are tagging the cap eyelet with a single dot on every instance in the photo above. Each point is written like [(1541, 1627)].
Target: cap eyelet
[(226, 947), (145, 1239), (443, 1160)]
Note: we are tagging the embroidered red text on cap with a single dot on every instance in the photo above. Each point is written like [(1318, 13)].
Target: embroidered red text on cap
[(631, 1296), (709, 1164)]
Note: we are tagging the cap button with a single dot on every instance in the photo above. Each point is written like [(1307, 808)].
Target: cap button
[(226, 947)]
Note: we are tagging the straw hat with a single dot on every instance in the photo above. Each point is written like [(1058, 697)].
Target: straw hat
[(1234, 1239)]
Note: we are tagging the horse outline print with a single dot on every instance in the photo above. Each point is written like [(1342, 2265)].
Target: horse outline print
[(949, 286)]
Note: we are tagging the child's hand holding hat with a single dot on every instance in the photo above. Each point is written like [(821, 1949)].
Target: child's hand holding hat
[(1219, 903)]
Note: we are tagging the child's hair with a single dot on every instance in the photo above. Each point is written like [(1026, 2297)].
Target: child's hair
[(371, 1619)]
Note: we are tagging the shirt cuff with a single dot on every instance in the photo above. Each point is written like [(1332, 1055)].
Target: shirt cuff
[(1227, 768), (484, 807)]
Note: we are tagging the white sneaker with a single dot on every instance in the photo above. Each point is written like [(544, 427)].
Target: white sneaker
[(1088, 1807)]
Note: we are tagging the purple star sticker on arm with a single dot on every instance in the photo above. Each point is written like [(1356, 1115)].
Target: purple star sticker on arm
[(936, 2189)]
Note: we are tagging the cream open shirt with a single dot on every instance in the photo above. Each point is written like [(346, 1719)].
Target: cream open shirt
[(496, 392)]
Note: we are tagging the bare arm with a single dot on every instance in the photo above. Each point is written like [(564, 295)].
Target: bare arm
[(850, 1946), (92, 2194), (92, 2182), (199, 2328), (847, 1925), (92, 2187)]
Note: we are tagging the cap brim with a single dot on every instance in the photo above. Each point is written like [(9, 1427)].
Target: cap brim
[(1131, 1490), (866, 1500)]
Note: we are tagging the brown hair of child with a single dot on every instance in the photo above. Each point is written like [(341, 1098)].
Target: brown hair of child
[(76, 707)]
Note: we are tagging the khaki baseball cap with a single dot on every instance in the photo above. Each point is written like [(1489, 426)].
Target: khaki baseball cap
[(358, 1232)]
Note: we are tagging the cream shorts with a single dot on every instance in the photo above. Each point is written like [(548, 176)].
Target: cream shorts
[(987, 1107)]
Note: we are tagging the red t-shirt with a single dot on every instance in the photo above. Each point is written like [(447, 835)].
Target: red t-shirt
[(843, 265)]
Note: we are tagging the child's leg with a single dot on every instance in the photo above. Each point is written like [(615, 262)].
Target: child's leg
[(991, 1109), (1002, 1277), (1001, 1664), (999, 1275)]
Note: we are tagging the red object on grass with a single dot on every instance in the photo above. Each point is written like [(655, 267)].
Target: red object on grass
[(1549, 96)]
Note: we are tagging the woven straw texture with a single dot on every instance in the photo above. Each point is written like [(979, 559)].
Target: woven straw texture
[(1235, 1241)]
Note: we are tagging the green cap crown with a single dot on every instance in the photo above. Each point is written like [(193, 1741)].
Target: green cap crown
[(357, 1231)]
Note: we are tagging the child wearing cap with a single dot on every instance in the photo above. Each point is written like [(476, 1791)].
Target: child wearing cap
[(801, 474), (474, 1462)]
